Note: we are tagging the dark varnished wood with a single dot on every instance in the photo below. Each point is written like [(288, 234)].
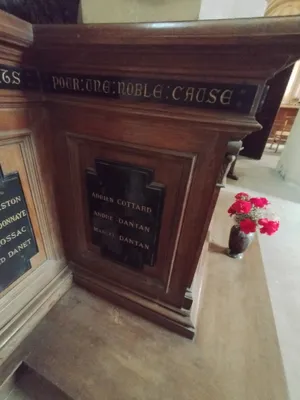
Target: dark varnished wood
[(198, 33), (255, 143), (184, 147), (26, 148)]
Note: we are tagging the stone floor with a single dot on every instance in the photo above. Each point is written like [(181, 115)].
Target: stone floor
[(26, 384), (92, 349), (281, 254)]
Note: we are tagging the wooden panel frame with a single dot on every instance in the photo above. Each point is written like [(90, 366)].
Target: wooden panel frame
[(23, 127), (78, 134), (251, 52)]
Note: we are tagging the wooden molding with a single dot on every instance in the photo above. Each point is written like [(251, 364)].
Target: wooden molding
[(189, 33), (15, 32), (26, 149), (21, 309), (170, 318)]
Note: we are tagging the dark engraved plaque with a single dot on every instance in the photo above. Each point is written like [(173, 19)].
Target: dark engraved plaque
[(17, 241), (125, 208), (15, 78), (208, 95)]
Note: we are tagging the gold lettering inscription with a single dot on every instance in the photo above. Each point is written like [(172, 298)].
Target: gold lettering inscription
[(19, 248), (76, 84), (97, 85), (106, 87), (55, 82), (133, 242), (226, 97), (61, 82), (12, 219), (134, 206), (189, 94), (130, 89), (157, 92), (103, 232), (12, 236), (10, 202), (102, 197), (200, 95), (138, 89), (147, 95), (175, 92), (212, 96), (69, 83), (89, 85), (16, 78), (133, 224), (103, 215), (121, 88)]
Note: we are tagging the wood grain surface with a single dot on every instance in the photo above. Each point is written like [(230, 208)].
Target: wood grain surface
[(26, 148), (232, 31), (185, 147)]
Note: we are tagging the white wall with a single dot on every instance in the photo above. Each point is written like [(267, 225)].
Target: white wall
[(219, 9), (289, 163)]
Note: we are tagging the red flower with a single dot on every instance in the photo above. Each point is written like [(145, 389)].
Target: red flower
[(240, 207), (231, 211), (259, 202), (268, 226), (247, 225), (242, 196)]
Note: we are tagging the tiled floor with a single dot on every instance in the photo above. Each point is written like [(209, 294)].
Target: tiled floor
[(281, 254)]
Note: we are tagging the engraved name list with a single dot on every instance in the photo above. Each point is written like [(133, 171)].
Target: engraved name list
[(17, 242), (125, 209)]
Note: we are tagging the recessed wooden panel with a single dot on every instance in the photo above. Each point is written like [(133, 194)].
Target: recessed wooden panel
[(170, 169), (17, 242), (12, 152), (25, 150)]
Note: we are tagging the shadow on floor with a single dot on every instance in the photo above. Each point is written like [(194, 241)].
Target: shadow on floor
[(29, 385)]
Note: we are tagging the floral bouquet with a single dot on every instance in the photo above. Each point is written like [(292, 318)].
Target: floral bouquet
[(252, 212), (249, 214)]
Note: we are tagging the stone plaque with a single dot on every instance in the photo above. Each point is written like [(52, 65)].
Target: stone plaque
[(125, 208), (17, 241)]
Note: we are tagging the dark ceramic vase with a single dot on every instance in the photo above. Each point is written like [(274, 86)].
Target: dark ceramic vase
[(238, 242)]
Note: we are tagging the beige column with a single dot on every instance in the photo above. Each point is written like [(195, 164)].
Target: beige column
[(282, 7), (289, 164), (96, 11)]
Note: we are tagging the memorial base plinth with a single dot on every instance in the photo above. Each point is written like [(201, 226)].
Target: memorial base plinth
[(180, 321)]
